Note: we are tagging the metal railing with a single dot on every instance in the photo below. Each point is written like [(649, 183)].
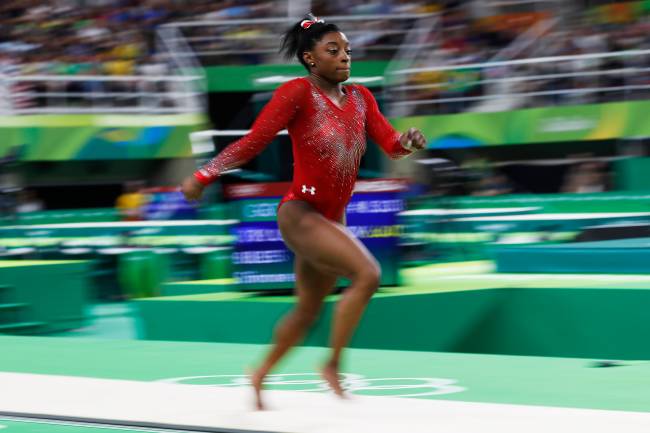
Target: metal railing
[(181, 57), (256, 41), (55, 94), (556, 80), (178, 86)]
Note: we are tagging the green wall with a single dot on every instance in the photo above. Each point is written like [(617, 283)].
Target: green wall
[(54, 294), (560, 124), (252, 78), (632, 174), (578, 322), (98, 137)]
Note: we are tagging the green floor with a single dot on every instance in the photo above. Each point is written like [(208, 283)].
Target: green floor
[(575, 383), (115, 321), (107, 348)]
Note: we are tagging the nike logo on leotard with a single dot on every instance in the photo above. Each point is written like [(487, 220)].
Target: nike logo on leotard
[(311, 189)]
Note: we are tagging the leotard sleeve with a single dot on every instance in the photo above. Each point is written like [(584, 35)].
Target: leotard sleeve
[(274, 117), (380, 130)]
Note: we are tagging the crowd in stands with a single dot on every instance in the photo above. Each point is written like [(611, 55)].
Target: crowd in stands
[(606, 28), (118, 37)]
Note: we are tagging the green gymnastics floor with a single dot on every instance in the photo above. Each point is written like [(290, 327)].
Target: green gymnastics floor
[(201, 387)]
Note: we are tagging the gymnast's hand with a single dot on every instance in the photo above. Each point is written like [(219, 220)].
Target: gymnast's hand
[(413, 140), (192, 189)]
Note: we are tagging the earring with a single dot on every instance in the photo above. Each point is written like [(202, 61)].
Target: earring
[(312, 64)]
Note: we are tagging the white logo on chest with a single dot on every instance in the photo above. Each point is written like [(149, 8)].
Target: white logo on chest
[(310, 189)]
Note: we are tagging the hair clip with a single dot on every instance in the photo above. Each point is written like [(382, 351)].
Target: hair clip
[(305, 24)]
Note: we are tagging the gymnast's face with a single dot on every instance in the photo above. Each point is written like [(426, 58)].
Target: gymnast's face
[(331, 57)]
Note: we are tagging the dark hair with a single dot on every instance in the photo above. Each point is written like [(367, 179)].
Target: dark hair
[(297, 39)]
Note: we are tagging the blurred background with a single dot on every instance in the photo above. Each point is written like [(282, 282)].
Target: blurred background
[(534, 176)]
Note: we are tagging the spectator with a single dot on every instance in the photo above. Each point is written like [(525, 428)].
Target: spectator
[(27, 201), (586, 177), (493, 184), (131, 202)]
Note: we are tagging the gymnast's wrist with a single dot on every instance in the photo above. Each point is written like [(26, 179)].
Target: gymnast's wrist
[(202, 178)]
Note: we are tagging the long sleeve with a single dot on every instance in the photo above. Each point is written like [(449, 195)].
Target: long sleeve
[(380, 130), (274, 117)]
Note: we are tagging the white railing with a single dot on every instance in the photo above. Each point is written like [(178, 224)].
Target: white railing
[(57, 94), (179, 87), (255, 41), (181, 57), (426, 29), (589, 78)]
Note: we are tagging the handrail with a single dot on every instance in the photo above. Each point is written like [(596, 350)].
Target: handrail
[(587, 77), (332, 18), (265, 41), (524, 61)]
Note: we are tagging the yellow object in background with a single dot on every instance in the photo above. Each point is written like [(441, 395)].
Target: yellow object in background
[(130, 205)]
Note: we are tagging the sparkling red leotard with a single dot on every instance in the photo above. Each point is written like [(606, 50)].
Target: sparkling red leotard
[(328, 142)]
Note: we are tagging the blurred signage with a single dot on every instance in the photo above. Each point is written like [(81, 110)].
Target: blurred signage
[(262, 261)]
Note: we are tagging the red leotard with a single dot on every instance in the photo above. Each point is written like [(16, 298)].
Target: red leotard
[(328, 142)]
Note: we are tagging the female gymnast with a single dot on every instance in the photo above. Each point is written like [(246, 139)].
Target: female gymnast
[(328, 123)]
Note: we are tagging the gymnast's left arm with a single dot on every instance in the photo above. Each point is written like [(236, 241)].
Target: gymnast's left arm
[(395, 144)]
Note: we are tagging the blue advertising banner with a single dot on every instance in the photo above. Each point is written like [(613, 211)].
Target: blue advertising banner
[(262, 261)]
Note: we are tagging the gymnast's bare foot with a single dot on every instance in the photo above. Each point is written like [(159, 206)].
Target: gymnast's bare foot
[(257, 379), (331, 374)]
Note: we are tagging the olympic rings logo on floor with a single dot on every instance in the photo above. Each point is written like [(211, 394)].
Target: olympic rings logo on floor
[(353, 383)]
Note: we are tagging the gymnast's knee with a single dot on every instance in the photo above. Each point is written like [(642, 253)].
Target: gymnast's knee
[(368, 278)]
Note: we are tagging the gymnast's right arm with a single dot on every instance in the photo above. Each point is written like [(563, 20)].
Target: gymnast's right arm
[(274, 117)]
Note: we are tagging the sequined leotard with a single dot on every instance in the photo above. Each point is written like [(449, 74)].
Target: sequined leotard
[(328, 142)]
